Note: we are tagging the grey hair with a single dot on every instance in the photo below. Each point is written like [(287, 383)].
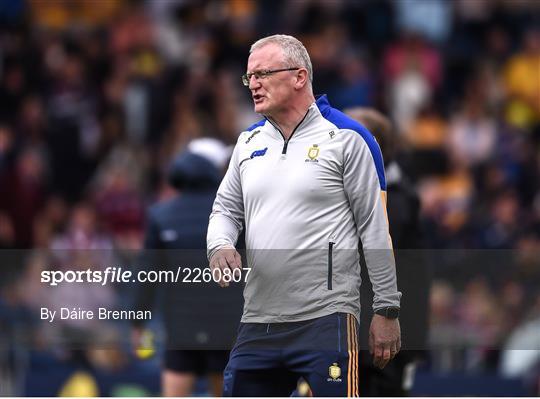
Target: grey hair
[(294, 51)]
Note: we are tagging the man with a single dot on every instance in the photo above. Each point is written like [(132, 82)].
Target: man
[(307, 182), (175, 235), (412, 272)]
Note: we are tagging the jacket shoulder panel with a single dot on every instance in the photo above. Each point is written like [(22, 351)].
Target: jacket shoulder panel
[(256, 125), (344, 122)]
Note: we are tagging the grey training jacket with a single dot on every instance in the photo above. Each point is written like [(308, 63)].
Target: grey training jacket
[(305, 203)]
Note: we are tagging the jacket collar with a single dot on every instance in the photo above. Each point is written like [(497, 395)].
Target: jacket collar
[(323, 104)]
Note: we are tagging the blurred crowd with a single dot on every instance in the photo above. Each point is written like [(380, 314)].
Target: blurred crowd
[(97, 97)]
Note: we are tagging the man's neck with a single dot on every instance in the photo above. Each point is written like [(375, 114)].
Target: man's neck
[(289, 119)]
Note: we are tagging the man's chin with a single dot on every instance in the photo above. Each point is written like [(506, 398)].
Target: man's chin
[(260, 109)]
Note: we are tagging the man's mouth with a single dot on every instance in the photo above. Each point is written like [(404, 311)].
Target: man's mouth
[(257, 98)]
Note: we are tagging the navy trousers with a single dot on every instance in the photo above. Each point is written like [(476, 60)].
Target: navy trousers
[(268, 359)]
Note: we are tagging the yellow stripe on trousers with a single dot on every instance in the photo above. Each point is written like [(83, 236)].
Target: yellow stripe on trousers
[(355, 354), (352, 342)]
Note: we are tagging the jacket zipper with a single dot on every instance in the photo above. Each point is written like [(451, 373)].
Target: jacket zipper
[(286, 141), (330, 247)]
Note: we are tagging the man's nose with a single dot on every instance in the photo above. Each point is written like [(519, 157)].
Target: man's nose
[(254, 82)]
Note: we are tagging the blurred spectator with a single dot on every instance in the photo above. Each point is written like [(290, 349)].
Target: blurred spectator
[(117, 196), (512, 298), (444, 330), (430, 18), (479, 315), (82, 232), (356, 85), (23, 189), (7, 232), (13, 85), (50, 222), (426, 135), (504, 222), (471, 22), (472, 132), (74, 131), (428, 131), (32, 120), (80, 247), (442, 300), (16, 334), (413, 71), (61, 14), (445, 208), (7, 147), (490, 66), (325, 46), (522, 82)]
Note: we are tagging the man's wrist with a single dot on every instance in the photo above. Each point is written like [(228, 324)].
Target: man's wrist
[(390, 312), (212, 252)]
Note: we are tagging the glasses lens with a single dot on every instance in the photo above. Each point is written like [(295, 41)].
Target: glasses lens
[(245, 80)]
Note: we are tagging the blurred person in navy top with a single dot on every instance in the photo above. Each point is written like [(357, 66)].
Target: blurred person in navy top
[(412, 270), (175, 234)]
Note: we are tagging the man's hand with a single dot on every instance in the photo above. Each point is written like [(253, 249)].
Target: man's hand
[(225, 259), (384, 340)]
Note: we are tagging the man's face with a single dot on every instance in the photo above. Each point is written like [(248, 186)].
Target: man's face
[(272, 93)]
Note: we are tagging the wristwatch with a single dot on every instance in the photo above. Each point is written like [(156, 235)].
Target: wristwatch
[(389, 312)]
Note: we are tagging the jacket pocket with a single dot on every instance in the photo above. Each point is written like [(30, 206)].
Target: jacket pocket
[(330, 261)]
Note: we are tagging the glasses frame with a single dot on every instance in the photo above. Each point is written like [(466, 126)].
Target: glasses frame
[(262, 74)]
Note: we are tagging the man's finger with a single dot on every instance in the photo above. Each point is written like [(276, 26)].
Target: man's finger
[(377, 357), (376, 360), (223, 266), (238, 259), (213, 262), (386, 356), (386, 352), (231, 261), (393, 349)]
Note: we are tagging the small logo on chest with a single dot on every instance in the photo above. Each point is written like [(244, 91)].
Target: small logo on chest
[(313, 153)]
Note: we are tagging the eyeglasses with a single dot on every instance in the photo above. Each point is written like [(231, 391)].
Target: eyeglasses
[(263, 74)]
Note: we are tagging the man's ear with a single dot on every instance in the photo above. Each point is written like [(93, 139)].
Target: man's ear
[(301, 78)]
